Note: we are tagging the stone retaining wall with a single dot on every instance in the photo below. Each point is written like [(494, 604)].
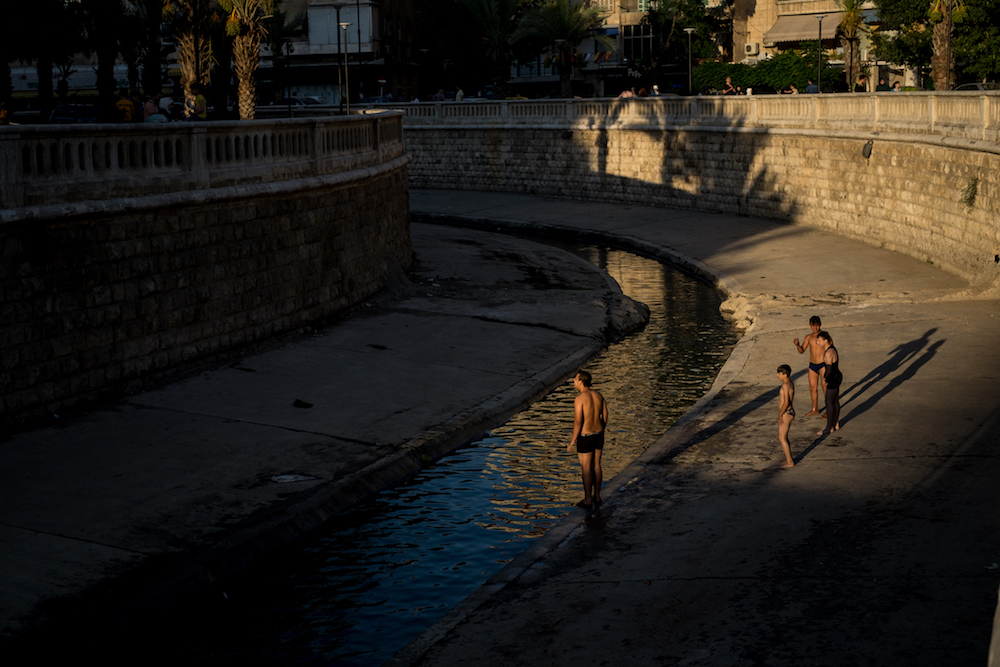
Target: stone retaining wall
[(97, 294), (905, 196)]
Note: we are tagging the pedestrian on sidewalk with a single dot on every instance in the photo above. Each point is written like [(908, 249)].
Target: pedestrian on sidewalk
[(786, 413), (815, 360), (591, 418), (831, 377)]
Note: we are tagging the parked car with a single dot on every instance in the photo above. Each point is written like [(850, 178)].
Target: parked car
[(979, 86), (74, 113)]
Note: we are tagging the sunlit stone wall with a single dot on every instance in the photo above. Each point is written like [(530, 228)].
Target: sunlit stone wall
[(131, 261), (800, 159)]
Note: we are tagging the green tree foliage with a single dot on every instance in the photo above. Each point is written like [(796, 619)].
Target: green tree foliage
[(563, 25), (767, 76), (668, 18), (977, 38)]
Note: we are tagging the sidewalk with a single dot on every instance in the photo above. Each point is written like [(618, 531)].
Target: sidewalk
[(135, 506), (879, 548)]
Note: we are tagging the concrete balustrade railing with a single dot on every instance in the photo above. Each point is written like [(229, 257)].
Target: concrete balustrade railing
[(913, 172), (960, 115), (59, 164)]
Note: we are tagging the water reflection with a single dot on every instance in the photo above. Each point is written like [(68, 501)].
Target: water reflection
[(391, 567)]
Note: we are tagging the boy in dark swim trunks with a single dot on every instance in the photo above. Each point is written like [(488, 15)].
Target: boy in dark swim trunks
[(786, 413), (591, 417), (815, 361)]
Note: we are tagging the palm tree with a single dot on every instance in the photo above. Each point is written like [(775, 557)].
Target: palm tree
[(943, 60), (497, 21), (246, 27), (563, 24), (194, 50), (850, 29)]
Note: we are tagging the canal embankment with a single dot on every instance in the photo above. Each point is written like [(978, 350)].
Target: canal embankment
[(878, 547), (111, 514)]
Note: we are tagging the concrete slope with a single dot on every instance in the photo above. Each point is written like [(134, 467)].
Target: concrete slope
[(105, 514), (880, 547)]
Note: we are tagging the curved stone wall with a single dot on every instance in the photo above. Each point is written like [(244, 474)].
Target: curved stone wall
[(790, 158), (97, 294)]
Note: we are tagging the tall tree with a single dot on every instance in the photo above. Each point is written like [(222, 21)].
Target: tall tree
[(246, 26), (104, 24), (563, 25), (194, 52), (851, 27), (943, 60), (497, 21), (150, 13)]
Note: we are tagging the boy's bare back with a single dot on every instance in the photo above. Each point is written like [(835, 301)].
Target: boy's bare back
[(592, 411)]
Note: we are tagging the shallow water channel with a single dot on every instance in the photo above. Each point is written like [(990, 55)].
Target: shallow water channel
[(388, 569)]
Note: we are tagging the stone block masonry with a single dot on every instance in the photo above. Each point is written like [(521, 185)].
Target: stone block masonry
[(96, 295), (911, 195)]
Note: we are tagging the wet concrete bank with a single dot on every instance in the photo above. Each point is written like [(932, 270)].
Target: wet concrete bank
[(879, 547), (135, 507)]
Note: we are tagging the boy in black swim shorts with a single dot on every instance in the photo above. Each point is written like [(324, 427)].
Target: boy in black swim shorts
[(591, 418)]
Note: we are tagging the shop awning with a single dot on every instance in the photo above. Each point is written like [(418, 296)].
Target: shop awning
[(802, 27)]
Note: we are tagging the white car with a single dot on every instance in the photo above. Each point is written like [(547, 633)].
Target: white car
[(979, 86)]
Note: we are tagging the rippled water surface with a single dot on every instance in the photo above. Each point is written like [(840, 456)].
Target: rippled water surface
[(387, 570)]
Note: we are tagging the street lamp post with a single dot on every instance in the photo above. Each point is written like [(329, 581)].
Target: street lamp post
[(819, 56), (347, 86), (690, 85)]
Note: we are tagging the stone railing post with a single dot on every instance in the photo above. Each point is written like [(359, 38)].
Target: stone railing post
[(199, 166), (11, 188), (984, 115)]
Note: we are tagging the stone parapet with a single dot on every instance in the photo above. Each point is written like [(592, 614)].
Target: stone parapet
[(233, 244), (927, 188), (57, 164)]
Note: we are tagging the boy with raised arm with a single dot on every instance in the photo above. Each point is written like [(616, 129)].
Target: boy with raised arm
[(786, 413), (591, 417), (815, 361)]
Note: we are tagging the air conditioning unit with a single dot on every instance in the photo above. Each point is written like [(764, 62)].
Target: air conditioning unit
[(751, 49)]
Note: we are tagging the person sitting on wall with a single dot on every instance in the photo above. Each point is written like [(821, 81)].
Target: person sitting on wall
[(198, 108), (125, 107)]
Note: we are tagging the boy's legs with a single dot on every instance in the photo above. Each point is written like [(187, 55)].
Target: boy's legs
[(598, 476), (587, 471), (783, 426), (813, 392)]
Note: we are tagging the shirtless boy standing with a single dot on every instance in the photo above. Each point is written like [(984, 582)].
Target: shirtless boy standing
[(815, 361), (786, 413), (591, 412)]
